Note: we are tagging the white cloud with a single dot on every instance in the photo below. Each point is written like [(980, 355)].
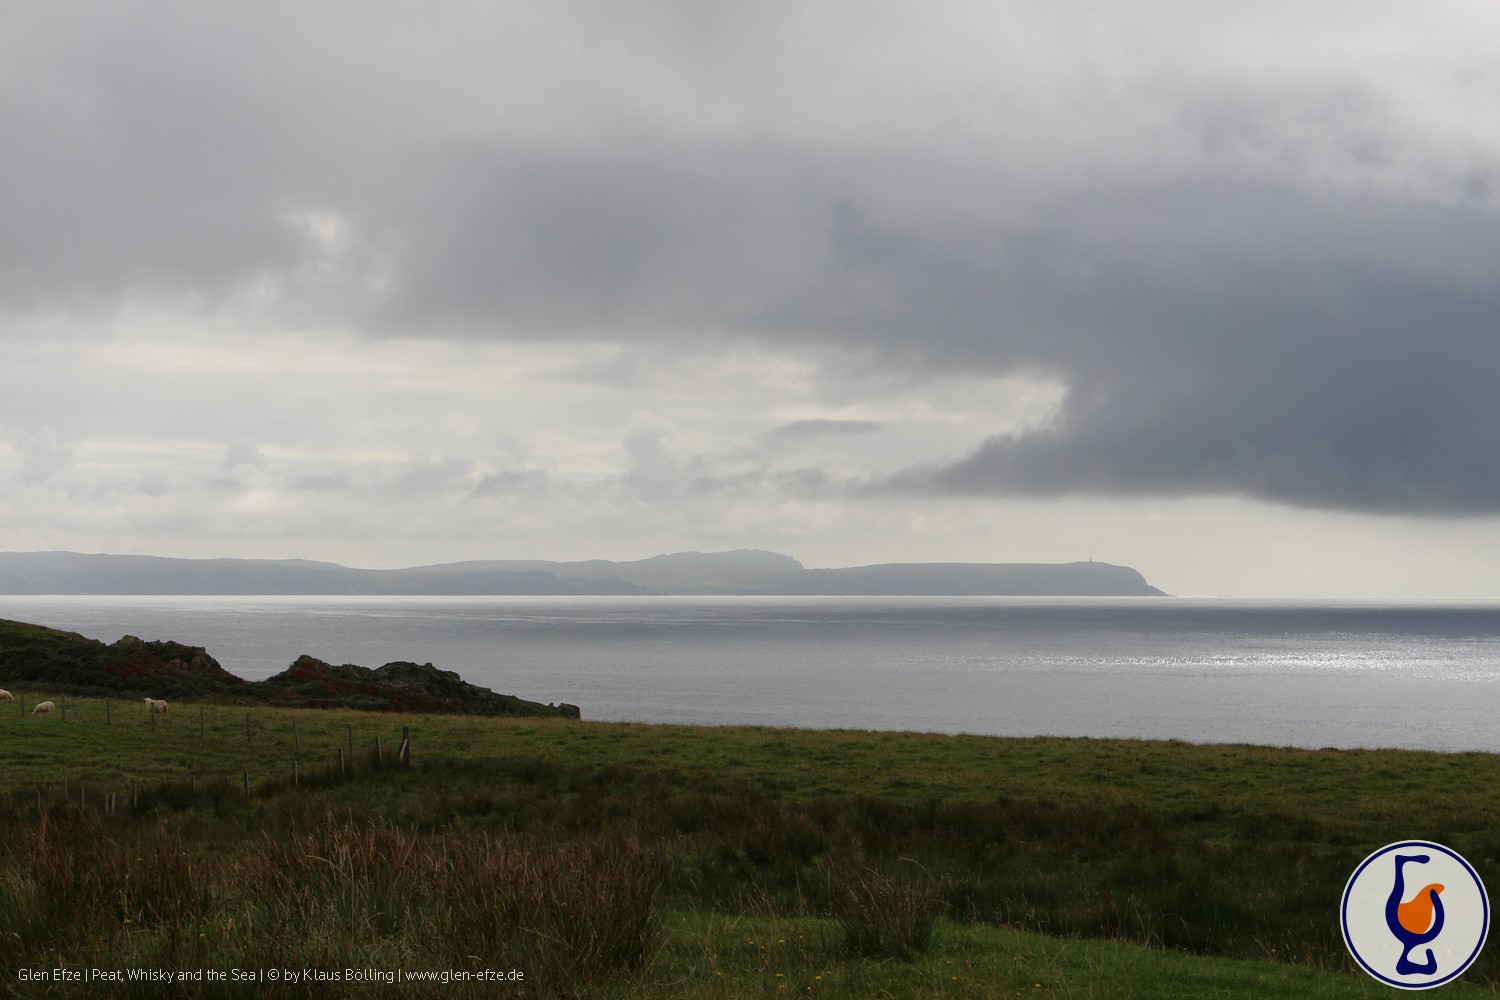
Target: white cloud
[(43, 456)]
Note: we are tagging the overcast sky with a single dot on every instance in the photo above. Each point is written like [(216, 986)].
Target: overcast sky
[(1211, 290)]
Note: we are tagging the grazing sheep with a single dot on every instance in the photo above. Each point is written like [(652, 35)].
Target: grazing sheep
[(42, 708), (6, 695), (155, 707)]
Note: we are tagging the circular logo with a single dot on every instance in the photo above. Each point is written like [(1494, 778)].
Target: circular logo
[(1415, 914)]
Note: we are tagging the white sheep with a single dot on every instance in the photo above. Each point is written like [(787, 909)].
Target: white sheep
[(155, 707), (6, 695), (42, 708)]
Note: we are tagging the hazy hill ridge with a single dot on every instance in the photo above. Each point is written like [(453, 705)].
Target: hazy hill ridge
[(740, 572)]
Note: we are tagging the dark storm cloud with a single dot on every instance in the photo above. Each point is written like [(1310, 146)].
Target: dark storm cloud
[(1279, 288), (1326, 352)]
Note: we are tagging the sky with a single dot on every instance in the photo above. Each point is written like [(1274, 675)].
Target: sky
[(1205, 289)]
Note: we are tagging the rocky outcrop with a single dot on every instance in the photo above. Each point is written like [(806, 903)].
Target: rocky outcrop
[(399, 686), (132, 658), (66, 662)]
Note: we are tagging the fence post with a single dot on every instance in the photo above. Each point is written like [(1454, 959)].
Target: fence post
[(341, 762), (296, 734), (245, 777), (351, 741), (404, 754), (295, 782), (379, 756), (247, 727)]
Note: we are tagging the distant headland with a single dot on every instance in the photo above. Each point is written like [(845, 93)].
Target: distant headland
[(741, 572)]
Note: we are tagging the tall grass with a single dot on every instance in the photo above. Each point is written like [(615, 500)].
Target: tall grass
[(342, 895), (885, 917), (1218, 885)]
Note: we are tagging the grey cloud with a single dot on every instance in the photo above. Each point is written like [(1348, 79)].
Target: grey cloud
[(508, 483), (802, 430), (321, 482), (244, 451), (404, 480), (632, 242), (144, 154), (1282, 289), (417, 478)]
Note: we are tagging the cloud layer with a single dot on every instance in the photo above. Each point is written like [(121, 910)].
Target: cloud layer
[(1179, 251)]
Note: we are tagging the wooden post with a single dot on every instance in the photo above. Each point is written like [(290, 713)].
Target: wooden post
[(246, 779), (341, 762), (295, 781), (404, 755), (247, 727), (296, 734), (351, 741), (379, 759), (200, 720), (133, 800)]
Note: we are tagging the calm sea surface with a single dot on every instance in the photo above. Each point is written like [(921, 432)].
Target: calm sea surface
[(1300, 673)]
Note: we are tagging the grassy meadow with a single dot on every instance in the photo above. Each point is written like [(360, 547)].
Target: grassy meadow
[(620, 860)]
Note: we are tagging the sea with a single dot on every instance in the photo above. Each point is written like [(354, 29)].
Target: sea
[(1304, 673)]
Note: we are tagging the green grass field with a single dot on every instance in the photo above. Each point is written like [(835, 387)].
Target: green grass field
[(742, 861)]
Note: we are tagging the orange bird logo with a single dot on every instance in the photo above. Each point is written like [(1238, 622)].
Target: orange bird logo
[(1418, 920)]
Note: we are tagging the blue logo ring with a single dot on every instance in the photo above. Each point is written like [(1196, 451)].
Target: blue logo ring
[(1424, 845)]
